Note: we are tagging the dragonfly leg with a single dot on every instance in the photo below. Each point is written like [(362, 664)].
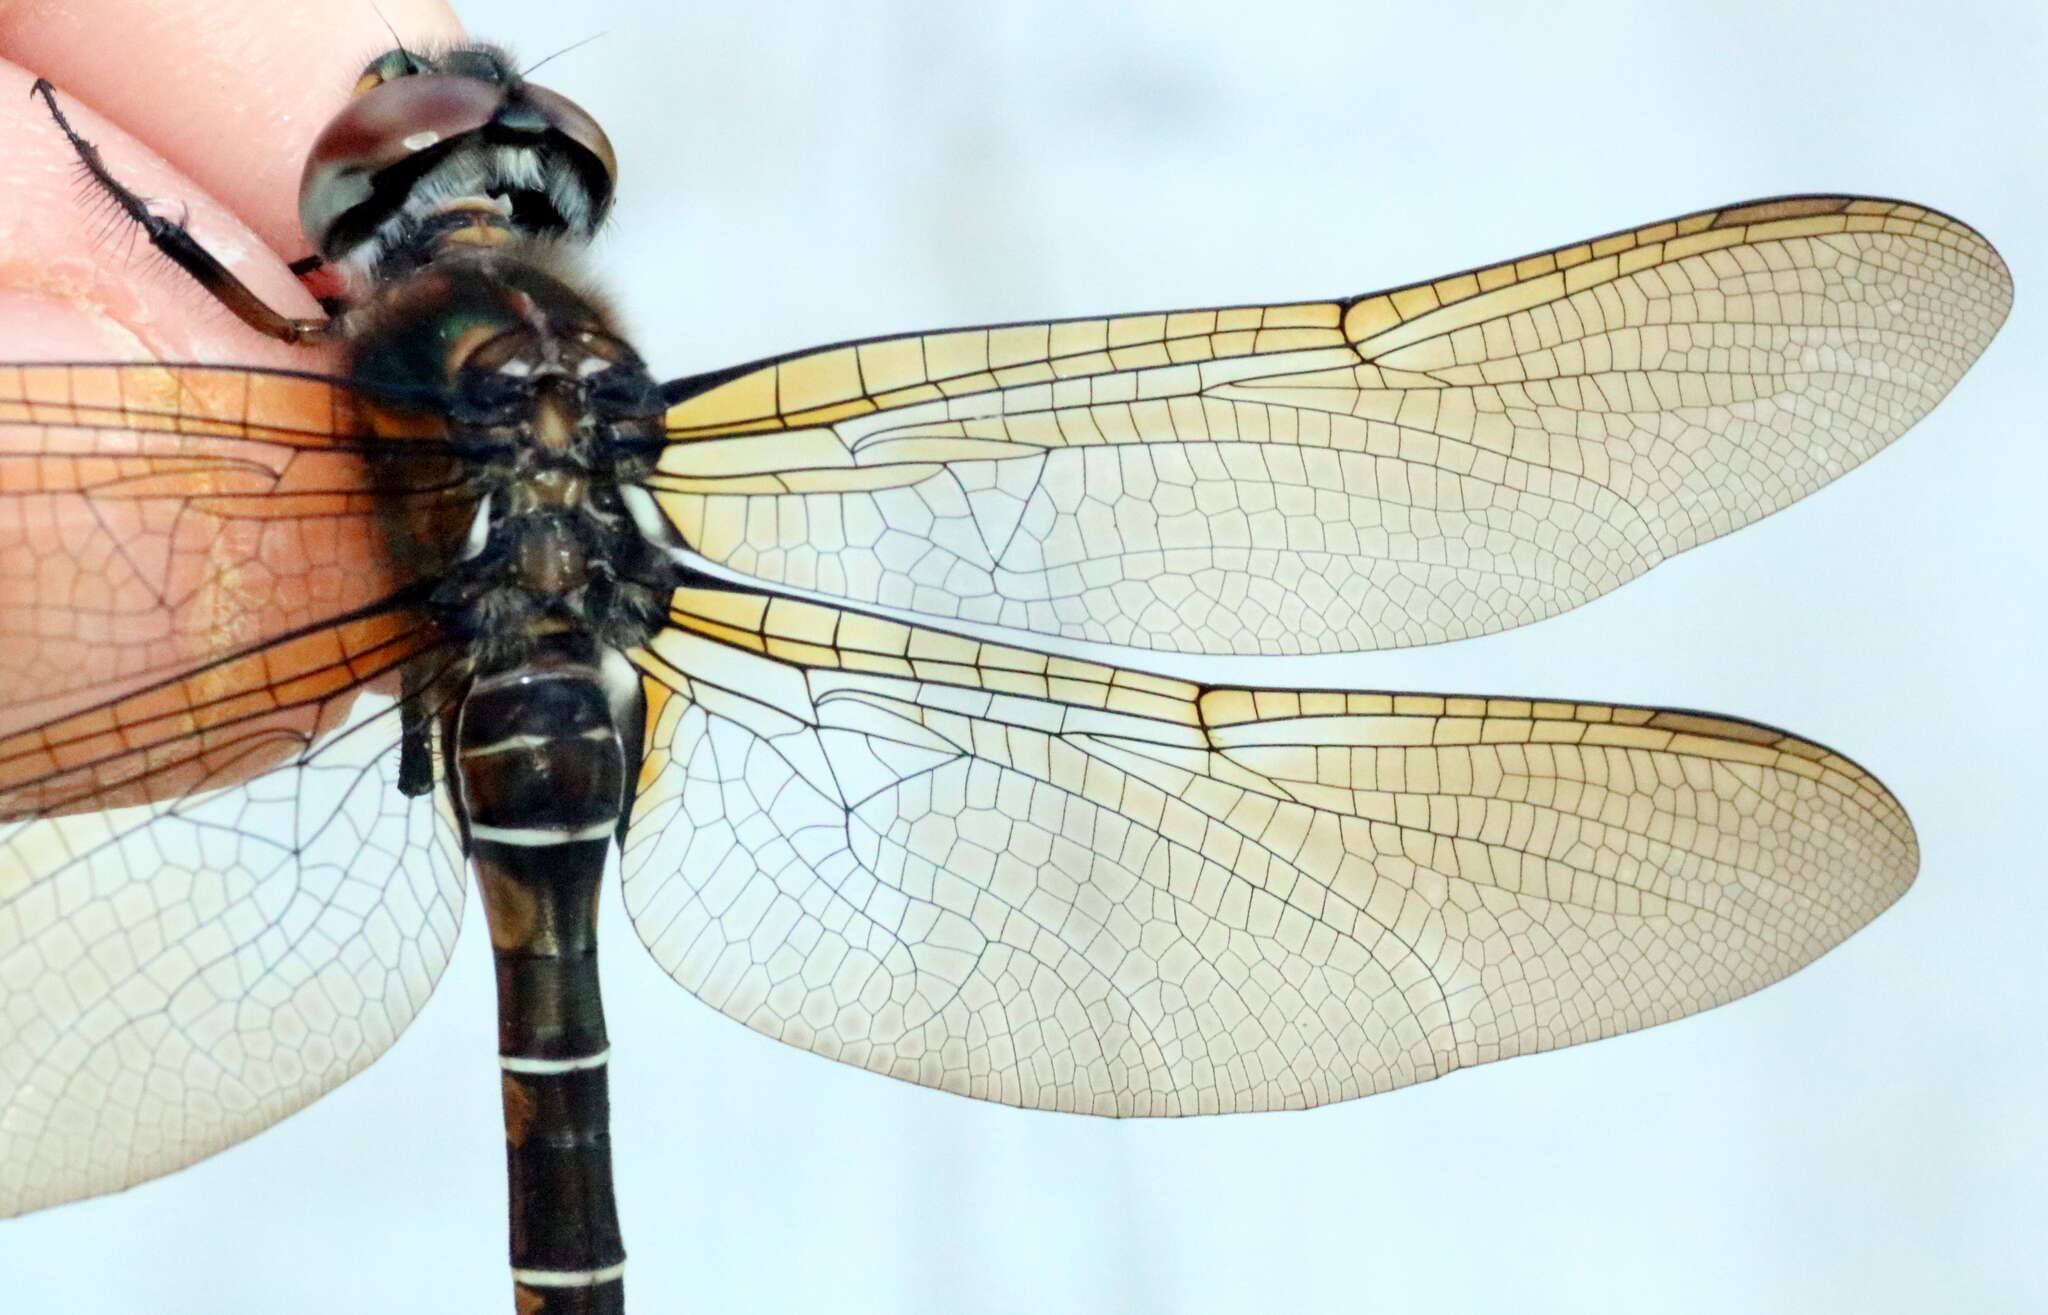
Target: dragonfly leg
[(415, 742), (171, 238)]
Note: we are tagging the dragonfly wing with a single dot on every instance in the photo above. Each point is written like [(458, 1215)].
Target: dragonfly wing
[(1442, 460), (155, 518), (215, 902), (180, 974), (1065, 886)]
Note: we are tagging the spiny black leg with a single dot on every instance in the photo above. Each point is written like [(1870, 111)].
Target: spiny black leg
[(172, 239), (415, 748)]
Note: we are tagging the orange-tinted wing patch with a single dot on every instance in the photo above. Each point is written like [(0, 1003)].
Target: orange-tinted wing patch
[(197, 580), (156, 519), (225, 723)]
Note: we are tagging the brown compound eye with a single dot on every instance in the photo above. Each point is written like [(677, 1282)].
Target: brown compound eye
[(406, 105), (590, 148), (382, 127)]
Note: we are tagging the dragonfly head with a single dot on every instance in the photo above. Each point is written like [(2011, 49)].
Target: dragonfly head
[(456, 134)]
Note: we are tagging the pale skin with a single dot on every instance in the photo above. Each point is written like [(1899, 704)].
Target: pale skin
[(206, 109), (229, 94)]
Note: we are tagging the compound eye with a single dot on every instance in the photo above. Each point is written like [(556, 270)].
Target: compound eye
[(589, 147), (534, 149), (389, 67), (385, 125)]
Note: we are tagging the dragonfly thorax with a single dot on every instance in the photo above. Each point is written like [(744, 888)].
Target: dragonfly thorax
[(507, 393)]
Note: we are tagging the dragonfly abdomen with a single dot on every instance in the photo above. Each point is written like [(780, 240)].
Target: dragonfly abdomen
[(544, 753)]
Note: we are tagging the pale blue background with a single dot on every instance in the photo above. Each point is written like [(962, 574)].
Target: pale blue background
[(1867, 1137)]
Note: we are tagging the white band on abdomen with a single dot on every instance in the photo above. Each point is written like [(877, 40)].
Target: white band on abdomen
[(532, 836), (568, 1278), (527, 1064)]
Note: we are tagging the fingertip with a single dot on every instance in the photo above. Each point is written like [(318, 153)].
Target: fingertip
[(39, 327), (231, 92), (83, 283)]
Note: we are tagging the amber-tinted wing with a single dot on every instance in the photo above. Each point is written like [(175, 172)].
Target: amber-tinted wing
[(1442, 460), (155, 518), (1065, 886), (215, 904)]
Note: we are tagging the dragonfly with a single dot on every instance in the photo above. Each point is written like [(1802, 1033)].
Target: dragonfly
[(788, 637)]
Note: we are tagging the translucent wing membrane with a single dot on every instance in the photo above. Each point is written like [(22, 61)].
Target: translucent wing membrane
[(195, 578), (215, 902), (157, 517), (1066, 886), (181, 974), (1442, 460)]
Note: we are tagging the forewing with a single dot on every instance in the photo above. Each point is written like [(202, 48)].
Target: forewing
[(1442, 460), (178, 975), (1070, 887), (158, 518)]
